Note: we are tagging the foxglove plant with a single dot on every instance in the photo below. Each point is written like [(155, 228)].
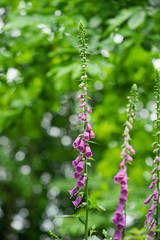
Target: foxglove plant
[(119, 217), (152, 217), (81, 143)]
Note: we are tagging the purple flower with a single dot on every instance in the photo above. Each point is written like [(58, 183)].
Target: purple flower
[(76, 175), (129, 124), (88, 110), (123, 163), (88, 152), (148, 200), (155, 197), (152, 208), (123, 198), (118, 234), (123, 153), (120, 175), (118, 215), (151, 185), (126, 131), (82, 100), (80, 167), (80, 115), (121, 223), (81, 146), (73, 191), (88, 126), (81, 85), (82, 105), (83, 117), (123, 182), (132, 151), (154, 177), (129, 158), (157, 159), (85, 89), (126, 138), (76, 161), (155, 192), (127, 146), (77, 142), (77, 201), (155, 150), (81, 182), (79, 97), (91, 134), (86, 135)]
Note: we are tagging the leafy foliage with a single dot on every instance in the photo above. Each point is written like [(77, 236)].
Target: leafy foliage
[(40, 67)]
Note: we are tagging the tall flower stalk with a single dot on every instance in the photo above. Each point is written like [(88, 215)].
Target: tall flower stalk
[(119, 217), (81, 143), (153, 215)]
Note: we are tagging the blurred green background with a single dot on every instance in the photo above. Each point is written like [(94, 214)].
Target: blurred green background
[(39, 72)]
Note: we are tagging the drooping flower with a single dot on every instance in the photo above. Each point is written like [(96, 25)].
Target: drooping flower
[(119, 218), (77, 201), (80, 167), (81, 146), (88, 110), (73, 191), (76, 175), (88, 126), (81, 182), (86, 135), (77, 142), (76, 161), (88, 152), (81, 143), (91, 134), (83, 117), (152, 218)]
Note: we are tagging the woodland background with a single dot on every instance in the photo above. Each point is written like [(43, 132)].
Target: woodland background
[(39, 72)]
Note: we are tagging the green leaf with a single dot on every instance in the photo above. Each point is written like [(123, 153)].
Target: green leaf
[(94, 179), (52, 234), (63, 216), (93, 238), (90, 98), (136, 20), (92, 142), (92, 159), (102, 208), (93, 202), (79, 126), (81, 218)]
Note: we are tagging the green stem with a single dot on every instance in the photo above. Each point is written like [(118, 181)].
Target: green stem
[(84, 62), (158, 175), (86, 193)]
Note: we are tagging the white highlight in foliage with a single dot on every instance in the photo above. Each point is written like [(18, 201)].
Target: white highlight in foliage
[(66, 140), (98, 85), (20, 155), (105, 53), (12, 73), (57, 13), (118, 38), (25, 169), (156, 63)]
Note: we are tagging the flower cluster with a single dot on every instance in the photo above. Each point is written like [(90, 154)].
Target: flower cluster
[(150, 222), (119, 218), (81, 143), (153, 214)]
